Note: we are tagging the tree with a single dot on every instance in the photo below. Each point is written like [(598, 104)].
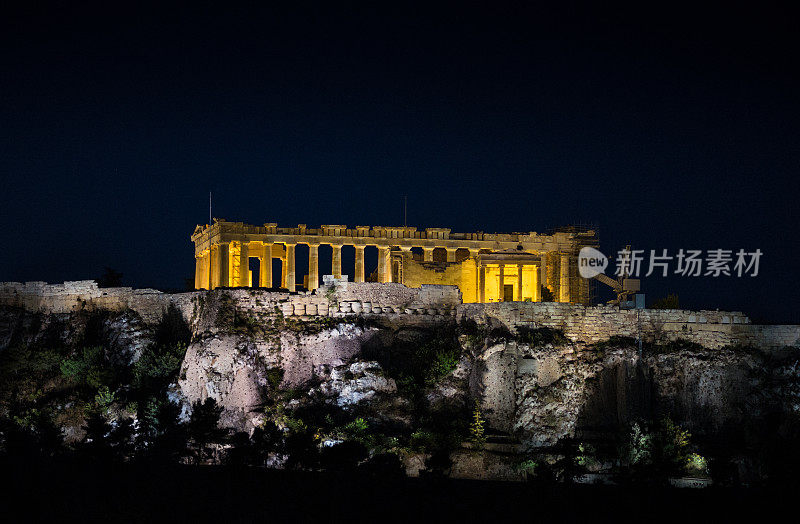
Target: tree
[(121, 439), (255, 449), (547, 295), (97, 429), (110, 278), (161, 437), (203, 428)]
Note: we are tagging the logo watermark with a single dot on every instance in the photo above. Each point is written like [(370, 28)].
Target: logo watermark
[(591, 262), (684, 263)]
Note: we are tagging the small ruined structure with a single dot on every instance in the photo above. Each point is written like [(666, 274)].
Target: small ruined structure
[(498, 267)]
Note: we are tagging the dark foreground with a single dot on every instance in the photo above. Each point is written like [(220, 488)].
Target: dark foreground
[(76, 492)]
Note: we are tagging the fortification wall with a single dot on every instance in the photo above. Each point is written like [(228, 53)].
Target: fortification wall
[(713, 329), (74, 296), (345, 298), (348, 298)]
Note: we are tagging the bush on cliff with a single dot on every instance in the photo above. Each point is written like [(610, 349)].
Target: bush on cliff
[(158, 366), (541, 336), (87, 368), (654, 452), (172, 329)]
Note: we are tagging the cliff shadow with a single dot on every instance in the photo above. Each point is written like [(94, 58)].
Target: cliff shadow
[(617, 396)]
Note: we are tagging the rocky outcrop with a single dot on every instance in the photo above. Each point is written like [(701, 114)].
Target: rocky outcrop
[(238, 370), (347, 385), (574, 391), (249, 348)]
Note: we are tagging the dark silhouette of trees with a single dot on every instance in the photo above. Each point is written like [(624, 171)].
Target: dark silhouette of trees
[(203, 429)]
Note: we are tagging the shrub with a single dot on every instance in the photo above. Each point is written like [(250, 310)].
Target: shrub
[(661, 451), (541, 336), (104, 398), (275, 377), (444, 362), (476, 431), (422, 441), (23, 361), (157, 367), (88, 368), (527, 467), (696, 465), (586, 456)]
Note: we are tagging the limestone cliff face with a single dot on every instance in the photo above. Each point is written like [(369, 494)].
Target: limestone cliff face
[(546, 394), (250, 347), (237, 370)]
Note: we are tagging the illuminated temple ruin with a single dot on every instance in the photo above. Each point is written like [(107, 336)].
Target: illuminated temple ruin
[(486, 267)]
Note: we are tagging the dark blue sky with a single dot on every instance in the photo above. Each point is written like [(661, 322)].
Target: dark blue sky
[(668, 129)]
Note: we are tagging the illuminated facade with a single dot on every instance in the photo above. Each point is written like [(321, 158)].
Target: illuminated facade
[(486, 267)]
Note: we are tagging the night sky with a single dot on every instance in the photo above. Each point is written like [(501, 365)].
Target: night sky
[(670, 129)]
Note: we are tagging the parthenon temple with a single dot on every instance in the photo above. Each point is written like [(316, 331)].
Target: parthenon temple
[(487, 267)]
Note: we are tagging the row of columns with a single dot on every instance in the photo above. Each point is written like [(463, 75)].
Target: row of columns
[(481, 282), (216, 269)]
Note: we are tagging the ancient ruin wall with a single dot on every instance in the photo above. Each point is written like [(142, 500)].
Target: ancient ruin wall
[(713, 329), (346, 298)]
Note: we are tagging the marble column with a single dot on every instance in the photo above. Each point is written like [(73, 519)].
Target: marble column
[(501, 283), (518, 298), (564, 281), (208, 270), (265, 267), (473, 253), (388, 265), (336, 261), (428, 254), (481, 282), (205, 271), (224, 266), (544, 278), (382, 263), (284, 265), (244, 265), (313, 266), (198, 271), (359, 276), (290, 285), (537, 290), (451, 254), (214, 263)]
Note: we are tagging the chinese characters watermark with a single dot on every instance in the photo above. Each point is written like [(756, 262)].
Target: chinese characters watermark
[(685, 263)]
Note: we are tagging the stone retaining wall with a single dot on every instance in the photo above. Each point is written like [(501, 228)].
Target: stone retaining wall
[(350, 298), (74, 296), (712, 329), (345, 298)]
